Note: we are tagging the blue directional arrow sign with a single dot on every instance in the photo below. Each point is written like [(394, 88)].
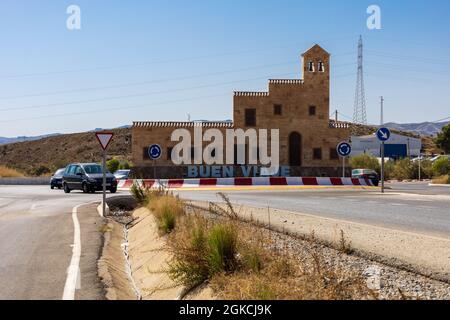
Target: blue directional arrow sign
[(383, 134), (344, 149), (155, 151)]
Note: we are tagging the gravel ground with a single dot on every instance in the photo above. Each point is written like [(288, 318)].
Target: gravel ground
[(388, 282)]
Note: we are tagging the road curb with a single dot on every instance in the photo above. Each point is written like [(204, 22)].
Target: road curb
[(242, 182), (100, 209)]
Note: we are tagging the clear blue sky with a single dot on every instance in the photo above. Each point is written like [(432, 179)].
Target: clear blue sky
[(160, 60)]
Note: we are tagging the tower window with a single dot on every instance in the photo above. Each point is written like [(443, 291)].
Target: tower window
[(312, 110), (278, 109), (250, 117), (321, 66), (311, 66)]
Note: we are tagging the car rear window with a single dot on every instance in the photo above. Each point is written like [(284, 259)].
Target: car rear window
[(59, 172)]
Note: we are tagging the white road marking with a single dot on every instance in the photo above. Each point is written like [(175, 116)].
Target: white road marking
[(74, 267)]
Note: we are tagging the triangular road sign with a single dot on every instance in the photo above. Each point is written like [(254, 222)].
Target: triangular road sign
[(104, 138)]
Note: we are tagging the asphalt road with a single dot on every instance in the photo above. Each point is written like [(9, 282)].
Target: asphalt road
[(414, 208), (418, 188), (36, 238), (37, 231)]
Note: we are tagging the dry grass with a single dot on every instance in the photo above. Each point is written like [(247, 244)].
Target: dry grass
[(243, 261), (260, 269), (442, 180), (6, 172), (166, 209)]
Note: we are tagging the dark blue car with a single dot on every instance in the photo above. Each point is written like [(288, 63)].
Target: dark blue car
[(56, 179)]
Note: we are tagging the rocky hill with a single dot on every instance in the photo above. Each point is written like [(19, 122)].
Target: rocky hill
[(43, 156)]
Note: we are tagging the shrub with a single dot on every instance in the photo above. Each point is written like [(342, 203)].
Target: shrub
[(252, 260), (403, 170), (222, 248), (139, 193), (112, 165), (443, 139), (124, 165), (201, 251), (442, 180), (166, 210), (406, 169), (365, 161), (40, 171), (441, 166)]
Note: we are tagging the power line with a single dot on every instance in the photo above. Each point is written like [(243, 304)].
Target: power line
[(160, 61), (427, 60), (135, 95), (109, 109), (125, 108), (144, 82), (144, 93)]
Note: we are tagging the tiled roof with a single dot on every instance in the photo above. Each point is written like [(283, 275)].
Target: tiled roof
[(183, 124)]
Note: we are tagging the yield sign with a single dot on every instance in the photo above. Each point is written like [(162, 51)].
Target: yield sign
[(104, 138)]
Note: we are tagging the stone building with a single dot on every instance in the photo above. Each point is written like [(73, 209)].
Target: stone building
[(299, 108)]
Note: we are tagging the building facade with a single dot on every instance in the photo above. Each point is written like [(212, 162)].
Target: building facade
[(298, 108), (398, 146)]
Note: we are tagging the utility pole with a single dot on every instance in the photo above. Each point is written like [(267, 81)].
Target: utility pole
[(359, 112), (382, 112), (420, 166), (336, 116)]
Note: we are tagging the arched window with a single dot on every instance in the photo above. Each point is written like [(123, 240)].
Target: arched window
[(311, 66), (321, 66)]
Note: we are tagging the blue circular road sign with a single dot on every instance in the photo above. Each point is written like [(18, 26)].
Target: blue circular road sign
[(383, 134), (155, 151), (344, 149)]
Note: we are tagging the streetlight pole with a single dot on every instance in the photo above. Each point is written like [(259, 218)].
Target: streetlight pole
[(382, 145), (420, 166)]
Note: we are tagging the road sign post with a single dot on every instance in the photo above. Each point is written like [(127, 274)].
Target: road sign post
[(104, 138), (155, 153), (383, 134), (344, 149)]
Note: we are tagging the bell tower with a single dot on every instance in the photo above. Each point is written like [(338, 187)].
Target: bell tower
[(316, 66)]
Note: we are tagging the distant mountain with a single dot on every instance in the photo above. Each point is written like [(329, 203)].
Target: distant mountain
[(4, 140), (424, 128)]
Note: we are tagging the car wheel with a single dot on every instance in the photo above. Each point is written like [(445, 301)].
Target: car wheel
[(85, 188), (113, 190), (52, 187), (66, 188), (59, 188)]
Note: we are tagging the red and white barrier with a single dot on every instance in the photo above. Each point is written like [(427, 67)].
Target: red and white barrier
[(259, 181)]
